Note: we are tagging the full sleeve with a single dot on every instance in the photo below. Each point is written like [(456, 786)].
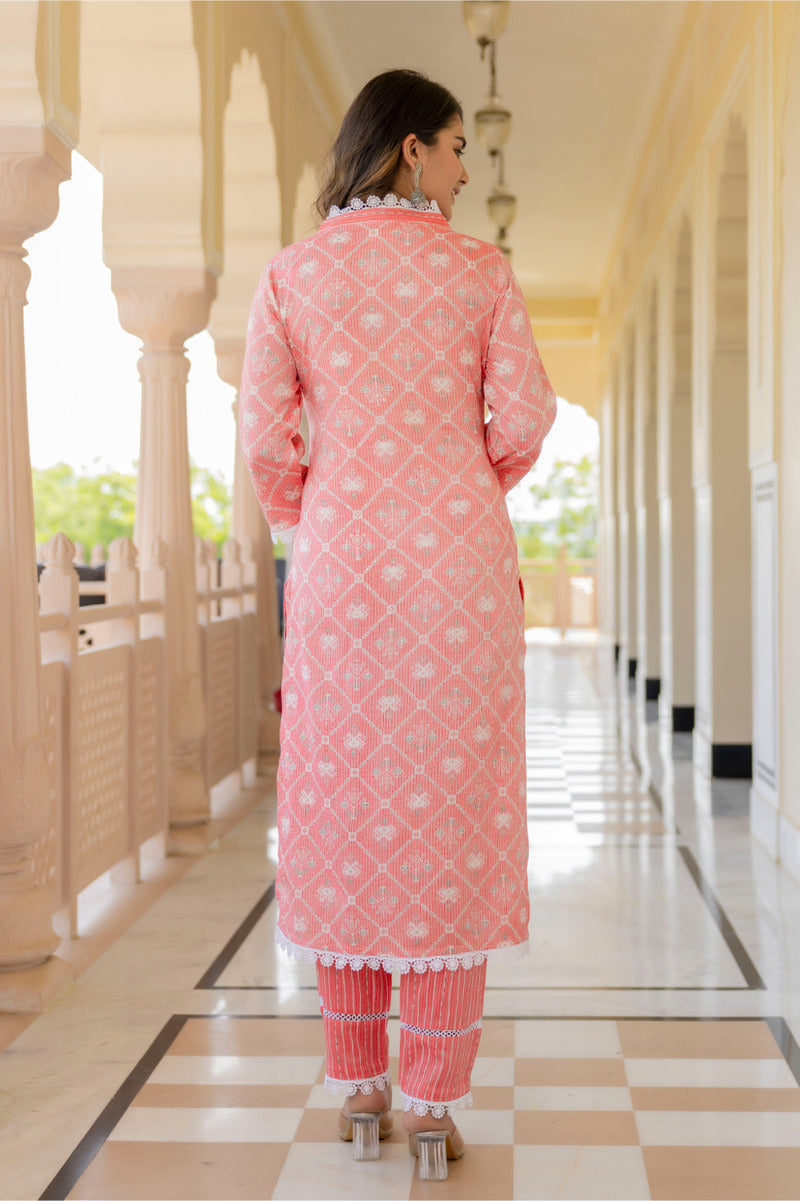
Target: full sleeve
[(269, 414), (519, 396)]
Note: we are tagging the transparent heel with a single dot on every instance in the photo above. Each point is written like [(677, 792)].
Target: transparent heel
[(432, 1145), (366, 1133)]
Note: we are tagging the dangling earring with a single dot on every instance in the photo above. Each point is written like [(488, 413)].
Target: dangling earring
[(418, 197)]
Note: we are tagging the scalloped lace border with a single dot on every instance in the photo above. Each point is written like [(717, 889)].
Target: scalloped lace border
[(438, 1109), (285, 536), (351, 1087), (389, 201), (394, 963)]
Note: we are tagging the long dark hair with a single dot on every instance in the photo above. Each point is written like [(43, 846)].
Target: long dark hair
[(367, 153)]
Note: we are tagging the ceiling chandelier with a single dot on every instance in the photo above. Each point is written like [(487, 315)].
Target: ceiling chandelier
[(486, 20)]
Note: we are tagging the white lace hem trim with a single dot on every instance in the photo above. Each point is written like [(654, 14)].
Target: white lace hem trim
[(351, 1087), (285, 536), (437, 1109), (389, 201), (395, 963)]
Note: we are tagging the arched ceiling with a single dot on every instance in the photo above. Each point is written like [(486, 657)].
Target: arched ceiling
[(582, 78)]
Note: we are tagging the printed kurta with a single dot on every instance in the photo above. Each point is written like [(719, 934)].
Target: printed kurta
[(401, 782)]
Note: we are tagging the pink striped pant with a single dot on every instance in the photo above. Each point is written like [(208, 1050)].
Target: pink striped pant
[(440, 1028)]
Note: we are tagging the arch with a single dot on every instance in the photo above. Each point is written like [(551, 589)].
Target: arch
[(251, 197), (141, 125), (303, 108)]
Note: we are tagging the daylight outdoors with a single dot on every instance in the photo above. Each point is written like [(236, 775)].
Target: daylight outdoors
[(84, 403)]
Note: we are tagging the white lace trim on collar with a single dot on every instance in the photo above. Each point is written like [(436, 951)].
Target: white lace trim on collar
[(389, 201)]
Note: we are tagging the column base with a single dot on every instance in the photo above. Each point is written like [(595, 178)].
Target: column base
[(191, 840), (683, 718), (267, 762), (189, 803), (765, 822), (732, 760), (32, 989)]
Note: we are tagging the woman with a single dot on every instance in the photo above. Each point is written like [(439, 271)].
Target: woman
[(401, 784)]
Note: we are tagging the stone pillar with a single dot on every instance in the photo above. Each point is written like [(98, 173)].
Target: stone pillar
[(248, 524), (29, 179), (164, 307), (648, 593)]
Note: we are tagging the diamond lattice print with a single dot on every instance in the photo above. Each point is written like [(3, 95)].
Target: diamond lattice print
[(401, 783)]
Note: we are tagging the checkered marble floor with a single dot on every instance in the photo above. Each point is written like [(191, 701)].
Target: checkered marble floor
[(563, 1108), (647, 1048)]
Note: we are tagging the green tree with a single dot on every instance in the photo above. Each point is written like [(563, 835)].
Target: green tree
[(532, 540), (211, 505), (89, 508), (569, 491), (100, 506)]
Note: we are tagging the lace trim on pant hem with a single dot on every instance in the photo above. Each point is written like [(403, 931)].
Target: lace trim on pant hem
[(351, 1087), (438, 1109), (354, 1017), (396, 963), (441, 1033)]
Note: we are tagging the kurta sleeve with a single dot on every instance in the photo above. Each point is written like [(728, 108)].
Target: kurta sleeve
[(269, 414), (521, 401)]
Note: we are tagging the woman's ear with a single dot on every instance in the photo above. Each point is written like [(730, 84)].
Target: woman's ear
[(410, 152)]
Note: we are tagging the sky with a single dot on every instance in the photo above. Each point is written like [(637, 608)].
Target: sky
[(84, 395)]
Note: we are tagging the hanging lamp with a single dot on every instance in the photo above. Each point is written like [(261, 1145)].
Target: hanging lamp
[(485, 20)]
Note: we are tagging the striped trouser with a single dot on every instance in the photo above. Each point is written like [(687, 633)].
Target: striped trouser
[(440, 1028)]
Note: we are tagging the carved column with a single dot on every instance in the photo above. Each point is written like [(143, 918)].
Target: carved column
[(164, 307), (30, 977), (248, 524)]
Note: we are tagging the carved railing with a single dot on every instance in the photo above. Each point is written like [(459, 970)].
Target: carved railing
[(226, 602), (106, 714), (560, 593)]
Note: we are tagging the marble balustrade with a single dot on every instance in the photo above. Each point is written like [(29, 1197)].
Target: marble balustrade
[(106, 703)]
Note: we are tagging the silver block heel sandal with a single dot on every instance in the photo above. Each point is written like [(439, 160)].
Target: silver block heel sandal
[(365, 1130), (433, 1148), (366, 1135)]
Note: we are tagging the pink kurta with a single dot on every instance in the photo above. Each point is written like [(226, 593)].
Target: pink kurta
[(401, 783)]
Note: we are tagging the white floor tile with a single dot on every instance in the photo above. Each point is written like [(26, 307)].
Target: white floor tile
[(709, 1073), (580, 1174), (198, 1125), (493, 1072), (558, 1097), (556, 1040), (483, 1126), (676, 1128), (237, 1069), (326, 1170), (322, 1098)]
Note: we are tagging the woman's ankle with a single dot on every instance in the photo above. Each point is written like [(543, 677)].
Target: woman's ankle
[(375, 1102), (414, 1122)]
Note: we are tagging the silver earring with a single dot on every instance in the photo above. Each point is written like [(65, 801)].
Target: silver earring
[(418, 197)]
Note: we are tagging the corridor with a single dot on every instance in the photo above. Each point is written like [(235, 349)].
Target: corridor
[(646, 1048)]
